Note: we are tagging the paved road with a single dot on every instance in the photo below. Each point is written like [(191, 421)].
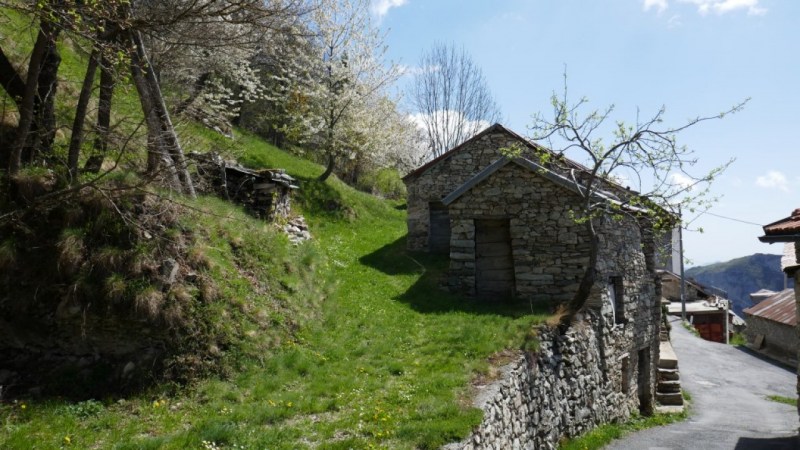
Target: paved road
[(729, 409)]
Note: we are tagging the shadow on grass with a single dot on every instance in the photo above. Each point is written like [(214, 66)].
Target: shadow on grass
[(428, 295)]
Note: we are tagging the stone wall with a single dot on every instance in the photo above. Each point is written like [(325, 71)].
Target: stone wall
[(549, 249), (779, 338), (573, 383), (445, 176)]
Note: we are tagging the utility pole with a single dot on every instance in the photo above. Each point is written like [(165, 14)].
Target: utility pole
[(725, 310), (683, 278)]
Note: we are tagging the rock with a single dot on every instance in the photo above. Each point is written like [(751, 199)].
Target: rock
[(169, 271), (127, 371)]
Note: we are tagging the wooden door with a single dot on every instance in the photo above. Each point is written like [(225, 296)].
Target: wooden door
[(439, 232), (494, 266)]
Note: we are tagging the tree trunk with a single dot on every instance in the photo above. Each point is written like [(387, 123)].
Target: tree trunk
[(169, 137), (588, 280), (154, 144), (10, 80), (329, 168), (44, 123), (26, 110), (197, 89), (80, 116), (95, 162)]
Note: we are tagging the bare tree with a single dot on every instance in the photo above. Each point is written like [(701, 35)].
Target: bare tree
[(452, 97), (645, 154)]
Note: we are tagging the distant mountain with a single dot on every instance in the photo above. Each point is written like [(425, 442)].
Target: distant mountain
[(742, 276)]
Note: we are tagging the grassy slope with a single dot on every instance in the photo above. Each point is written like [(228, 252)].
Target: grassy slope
[(386, 363)]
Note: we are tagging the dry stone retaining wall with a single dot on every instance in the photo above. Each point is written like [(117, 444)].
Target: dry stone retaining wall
[(564, 389)]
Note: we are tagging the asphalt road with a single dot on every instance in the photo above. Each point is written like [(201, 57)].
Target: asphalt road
[(729, 409)]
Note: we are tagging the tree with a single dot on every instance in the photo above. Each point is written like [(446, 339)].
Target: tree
[(451, 97), (646, 153), (352, 71)]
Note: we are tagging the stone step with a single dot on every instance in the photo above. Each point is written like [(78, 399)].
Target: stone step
[(669, 387), (667, 358), (668, 374), (669, 398)]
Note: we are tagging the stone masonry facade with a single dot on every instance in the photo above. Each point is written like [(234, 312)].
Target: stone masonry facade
[(433, 184), (604, 367), (780, 338), (548, 248), (566, 388)]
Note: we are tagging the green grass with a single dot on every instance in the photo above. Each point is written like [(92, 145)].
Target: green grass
[(781, 399), (686, 395), (690, 328), (346, 341), (738, 339), (604, 434), (368, 352)]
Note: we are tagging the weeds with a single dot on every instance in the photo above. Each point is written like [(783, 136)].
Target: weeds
[(604, 434), (781, 399)]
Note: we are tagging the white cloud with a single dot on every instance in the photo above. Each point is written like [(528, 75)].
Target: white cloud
[(415, 70), (707, 6), (773, 180), (681, 180), (674, 21), (659, 5), (449, 121), (726, 6), (381, 7)]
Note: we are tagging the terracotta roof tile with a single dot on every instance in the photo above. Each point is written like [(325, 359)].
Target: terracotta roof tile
[(788, 225)]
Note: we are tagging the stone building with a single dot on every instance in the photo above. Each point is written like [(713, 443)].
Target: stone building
[(787, 230), (772, 326), (508, 226)]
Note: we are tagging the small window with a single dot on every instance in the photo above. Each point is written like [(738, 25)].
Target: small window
[(616, 297)]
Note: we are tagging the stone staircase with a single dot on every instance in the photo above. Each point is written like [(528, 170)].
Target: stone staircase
[(668, 389)]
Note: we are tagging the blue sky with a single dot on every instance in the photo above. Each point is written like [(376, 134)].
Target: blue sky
[(696, 57)]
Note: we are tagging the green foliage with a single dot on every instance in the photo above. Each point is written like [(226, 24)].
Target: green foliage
[(384, 182), (690, 328), (738, 339), (88, 408)]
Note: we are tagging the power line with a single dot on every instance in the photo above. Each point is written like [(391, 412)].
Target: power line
[(727, 218)]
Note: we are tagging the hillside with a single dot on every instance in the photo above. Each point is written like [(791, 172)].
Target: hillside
[(382, 358), (742, 276)]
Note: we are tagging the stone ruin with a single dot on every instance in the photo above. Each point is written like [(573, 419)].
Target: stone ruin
[(265, 193)]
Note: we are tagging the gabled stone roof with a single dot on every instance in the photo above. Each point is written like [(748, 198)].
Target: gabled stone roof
[(542, 171), (528, 164), (492, 129)]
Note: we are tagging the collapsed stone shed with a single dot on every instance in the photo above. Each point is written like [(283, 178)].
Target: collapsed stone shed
[(266, 193), (507, 224)]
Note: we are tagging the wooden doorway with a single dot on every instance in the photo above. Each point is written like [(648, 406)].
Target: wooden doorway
[(439, 231), (644, 386), (494, 265)]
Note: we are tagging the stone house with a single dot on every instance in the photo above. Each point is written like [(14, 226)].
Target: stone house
[(507, 225), (787, 230), (772, 326)]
